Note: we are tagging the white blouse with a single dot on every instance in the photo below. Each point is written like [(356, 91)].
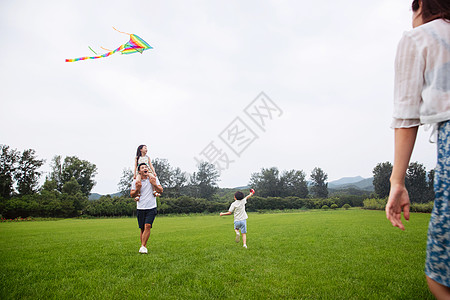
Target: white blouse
[(422, 76)]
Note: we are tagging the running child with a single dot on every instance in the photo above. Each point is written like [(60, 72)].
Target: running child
[(142, 157), (240, 216)]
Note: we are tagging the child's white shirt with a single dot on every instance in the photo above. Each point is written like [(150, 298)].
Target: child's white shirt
[(238, 207), (144, 159)]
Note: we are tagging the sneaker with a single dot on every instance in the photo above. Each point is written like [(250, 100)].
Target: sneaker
[(245, 246), (156, 194), (143, 250), (238, 236)]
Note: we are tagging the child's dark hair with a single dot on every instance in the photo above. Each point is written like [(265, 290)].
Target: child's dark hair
[(239, 195), (139, 153)]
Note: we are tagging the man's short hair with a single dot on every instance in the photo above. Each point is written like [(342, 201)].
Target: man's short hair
[(141, 164), (239, 195)]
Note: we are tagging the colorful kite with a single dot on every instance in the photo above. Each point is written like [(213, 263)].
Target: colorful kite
[(135, 44)]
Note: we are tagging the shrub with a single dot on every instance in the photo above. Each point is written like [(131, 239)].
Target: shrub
[(352, 200), (325, 207), (422, 207), (378, 204), (333, 206), (346, 206)]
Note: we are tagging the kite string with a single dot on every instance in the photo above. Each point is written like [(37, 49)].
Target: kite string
[(117, 31), (120, 31)]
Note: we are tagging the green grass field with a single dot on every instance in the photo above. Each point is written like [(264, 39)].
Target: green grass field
[(354, 254)]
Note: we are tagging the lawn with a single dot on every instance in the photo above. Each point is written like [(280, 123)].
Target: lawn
[(343, 254)]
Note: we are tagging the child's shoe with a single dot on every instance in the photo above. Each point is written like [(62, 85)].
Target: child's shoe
[(156, 194), (137, 198), (245, 246)]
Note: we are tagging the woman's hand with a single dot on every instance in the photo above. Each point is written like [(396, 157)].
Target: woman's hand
[(398, 202)]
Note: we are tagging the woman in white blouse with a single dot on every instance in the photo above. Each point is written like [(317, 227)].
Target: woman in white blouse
[(422, 96)]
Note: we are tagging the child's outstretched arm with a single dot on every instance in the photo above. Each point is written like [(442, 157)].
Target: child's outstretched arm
[(252, 192), (225, 214)]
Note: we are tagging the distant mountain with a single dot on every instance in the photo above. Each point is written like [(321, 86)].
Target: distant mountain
[(245, 187), (365, 184), (95, 196), (346, 180), (357, 182)]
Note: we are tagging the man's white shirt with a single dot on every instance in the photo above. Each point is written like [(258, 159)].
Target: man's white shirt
[(147, 200)]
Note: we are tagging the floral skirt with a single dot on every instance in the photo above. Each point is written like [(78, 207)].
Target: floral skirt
[(437, 265)]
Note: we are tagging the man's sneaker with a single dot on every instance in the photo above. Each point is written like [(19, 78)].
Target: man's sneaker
[(245, 246), (238, 236), (143, 250)]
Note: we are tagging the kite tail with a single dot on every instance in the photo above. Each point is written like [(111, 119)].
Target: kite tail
[(95, 57), (93, 50)]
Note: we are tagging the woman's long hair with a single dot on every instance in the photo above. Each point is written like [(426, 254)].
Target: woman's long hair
[(433, 9)]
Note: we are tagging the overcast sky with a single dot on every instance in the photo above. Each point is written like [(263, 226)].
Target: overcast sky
[(325, 67)]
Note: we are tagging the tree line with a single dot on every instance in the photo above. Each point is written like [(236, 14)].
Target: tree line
[(418, 182), (107, 206), (269, 182), (68, 185)]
